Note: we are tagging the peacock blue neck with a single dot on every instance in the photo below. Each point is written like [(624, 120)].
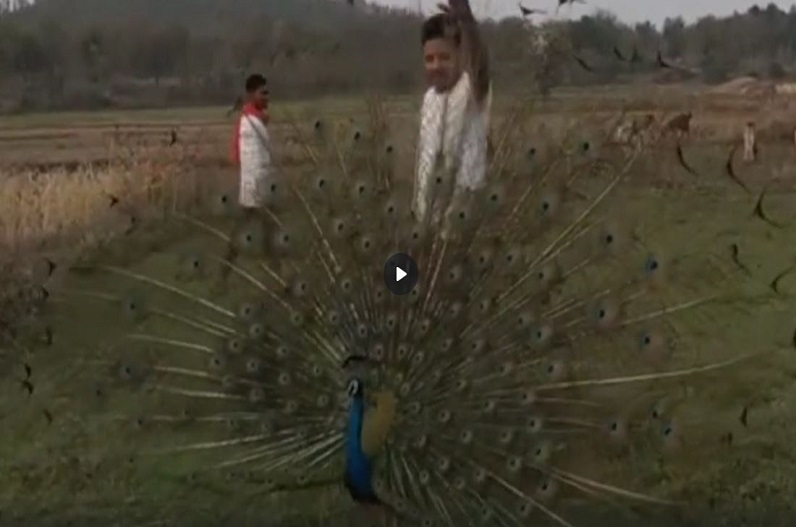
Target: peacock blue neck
[(358, 475), (354, 431)]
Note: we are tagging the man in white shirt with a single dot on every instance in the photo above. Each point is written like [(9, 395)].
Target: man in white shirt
[(251, 152), (454, 118), (251, 149)]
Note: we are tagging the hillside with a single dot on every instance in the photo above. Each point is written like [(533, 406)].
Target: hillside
[(204, 16), (86, 54)]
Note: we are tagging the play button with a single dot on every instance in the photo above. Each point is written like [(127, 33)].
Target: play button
[(400, 274)]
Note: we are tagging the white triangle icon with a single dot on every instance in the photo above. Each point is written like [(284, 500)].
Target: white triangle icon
[(400, 274)]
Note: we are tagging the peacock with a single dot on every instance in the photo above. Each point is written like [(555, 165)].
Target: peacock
[(545, 361)]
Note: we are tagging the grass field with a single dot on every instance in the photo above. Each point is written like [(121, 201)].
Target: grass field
[(59, 171), (48, 140)]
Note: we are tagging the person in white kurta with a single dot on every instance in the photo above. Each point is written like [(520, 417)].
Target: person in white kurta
[(455, 125), (255, 160), (454, 117), (252, 144), (251, 152)]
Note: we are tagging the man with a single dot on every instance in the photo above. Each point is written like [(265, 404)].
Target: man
[(251, 143), (251, 152), (454, 118)]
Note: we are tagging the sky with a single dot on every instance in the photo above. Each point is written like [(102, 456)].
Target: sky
[(626, 10)]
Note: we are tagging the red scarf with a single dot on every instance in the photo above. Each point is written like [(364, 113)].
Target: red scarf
[(250, 110)]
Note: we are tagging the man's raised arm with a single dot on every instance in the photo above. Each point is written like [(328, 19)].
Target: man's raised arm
[(474, 53)]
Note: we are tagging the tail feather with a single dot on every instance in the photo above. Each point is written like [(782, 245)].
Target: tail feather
[(545, 357)]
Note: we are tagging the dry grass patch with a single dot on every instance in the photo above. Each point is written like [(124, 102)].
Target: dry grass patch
[(62, 212)]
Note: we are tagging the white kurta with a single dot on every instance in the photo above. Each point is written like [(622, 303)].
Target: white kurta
[(454, 124), (255, 161)]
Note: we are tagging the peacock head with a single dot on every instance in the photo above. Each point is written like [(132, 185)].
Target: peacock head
[(355, 388), (356, 366)]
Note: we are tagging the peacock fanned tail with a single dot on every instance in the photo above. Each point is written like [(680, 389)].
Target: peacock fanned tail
[(545, 359)]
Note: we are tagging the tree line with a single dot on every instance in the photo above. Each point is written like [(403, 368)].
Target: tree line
[(87, 54)]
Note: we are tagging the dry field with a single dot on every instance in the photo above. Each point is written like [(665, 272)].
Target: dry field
[(58, 170), (60, 173)]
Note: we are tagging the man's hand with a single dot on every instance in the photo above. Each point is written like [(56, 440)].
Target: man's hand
[(457, 10), (461, 20)]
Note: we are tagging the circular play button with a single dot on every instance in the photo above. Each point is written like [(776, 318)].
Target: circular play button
[(400, 274)]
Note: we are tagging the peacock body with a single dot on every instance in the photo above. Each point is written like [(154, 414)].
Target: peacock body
[(543, 359)]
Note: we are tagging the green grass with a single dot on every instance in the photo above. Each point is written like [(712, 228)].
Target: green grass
[(577, 100), (71, 468), (38, 470), (167, 116)]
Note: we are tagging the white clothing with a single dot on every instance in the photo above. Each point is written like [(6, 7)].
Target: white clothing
[(452, 123), (255, 161)]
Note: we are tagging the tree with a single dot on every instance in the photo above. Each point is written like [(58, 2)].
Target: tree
[(51, 36), (28, 55), (92, 48), (776, 71), (717, 68), (10, 6), (674, 36), (309, 47)]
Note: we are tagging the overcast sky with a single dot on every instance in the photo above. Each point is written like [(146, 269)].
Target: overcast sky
[(626, 10)]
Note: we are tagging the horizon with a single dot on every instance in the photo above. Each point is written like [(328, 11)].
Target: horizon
[(630, 12), (627, 11)]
